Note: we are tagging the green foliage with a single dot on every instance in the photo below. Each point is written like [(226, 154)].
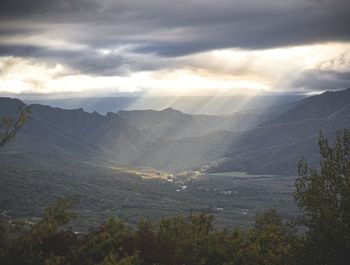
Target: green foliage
[(187, 239), (41, 243), (128, 260), (324, 200), (103, 245), (192, 240), (271, 241), (9, 127), (56, 215)]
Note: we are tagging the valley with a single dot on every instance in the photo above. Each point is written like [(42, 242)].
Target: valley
[(233, 198), (155, 164)]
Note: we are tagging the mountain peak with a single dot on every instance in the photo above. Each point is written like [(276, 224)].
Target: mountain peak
[(168, 109), (171, 110)]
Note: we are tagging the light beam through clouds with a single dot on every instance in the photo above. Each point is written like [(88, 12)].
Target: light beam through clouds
[(218, 72), (173, 48)]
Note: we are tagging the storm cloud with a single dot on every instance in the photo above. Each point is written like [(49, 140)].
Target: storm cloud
[(109, 37), (322, 80)]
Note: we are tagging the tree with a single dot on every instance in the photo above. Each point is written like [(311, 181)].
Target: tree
[(271, 241), (42, 243), (9, 127), (324, 200)]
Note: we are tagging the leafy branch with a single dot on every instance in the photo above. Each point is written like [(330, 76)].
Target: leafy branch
[(9, 127)]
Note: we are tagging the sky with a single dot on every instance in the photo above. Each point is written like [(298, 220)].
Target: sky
[(166, 48)]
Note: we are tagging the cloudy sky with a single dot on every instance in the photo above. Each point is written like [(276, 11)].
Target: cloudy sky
[(164, 47)]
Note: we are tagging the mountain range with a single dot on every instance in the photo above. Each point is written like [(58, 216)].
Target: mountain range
[(270, 140), (217, 105)]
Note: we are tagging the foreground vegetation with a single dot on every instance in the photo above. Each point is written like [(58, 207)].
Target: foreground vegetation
[(321, 235), (179, 240)]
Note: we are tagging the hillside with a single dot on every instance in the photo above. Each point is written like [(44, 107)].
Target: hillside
[(316, 107), (56, 136), (278, 144), (275, 146)]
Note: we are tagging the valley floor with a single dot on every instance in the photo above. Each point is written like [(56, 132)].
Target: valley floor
[(234, 198)]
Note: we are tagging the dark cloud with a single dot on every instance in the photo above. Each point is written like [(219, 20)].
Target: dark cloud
[(165, 28), (40, 7), (86, 61), (182, 27), (322, 80), (12, 31), (19, 50)]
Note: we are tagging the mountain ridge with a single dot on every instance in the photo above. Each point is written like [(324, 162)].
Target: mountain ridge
[(271, 147), (171, 140), (76, 135)]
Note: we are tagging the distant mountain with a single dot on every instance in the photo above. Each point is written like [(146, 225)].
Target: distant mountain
[(316, 107), (268, 140), (170, 123), (220, 105), (275, 146), (279, 143), (57, 136), (89, 104)]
